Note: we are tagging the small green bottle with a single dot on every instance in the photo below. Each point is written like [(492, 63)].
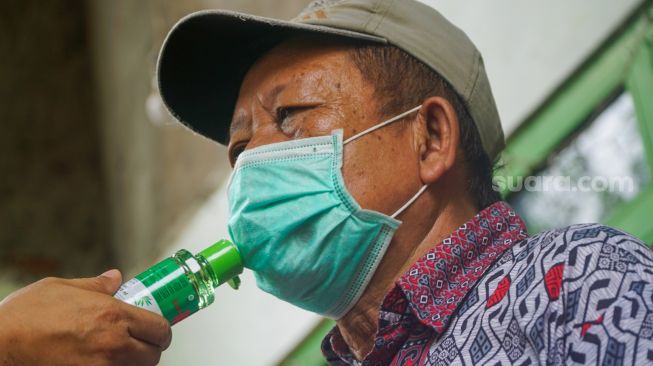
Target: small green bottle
[(181, 285)]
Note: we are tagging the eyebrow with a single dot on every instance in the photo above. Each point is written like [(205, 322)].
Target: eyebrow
[(274, 93)]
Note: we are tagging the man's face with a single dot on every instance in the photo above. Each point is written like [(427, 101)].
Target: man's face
[(299, 90)]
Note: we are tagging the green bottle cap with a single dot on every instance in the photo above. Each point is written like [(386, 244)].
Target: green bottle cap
[(224, 259)]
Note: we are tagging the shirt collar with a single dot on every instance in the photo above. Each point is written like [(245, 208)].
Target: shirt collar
[(431, 290), (437, 283)]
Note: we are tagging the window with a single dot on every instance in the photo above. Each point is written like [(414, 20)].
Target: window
[(600, 169)]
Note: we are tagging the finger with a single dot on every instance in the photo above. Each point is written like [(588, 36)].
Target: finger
[(106, 283), (149, 327)]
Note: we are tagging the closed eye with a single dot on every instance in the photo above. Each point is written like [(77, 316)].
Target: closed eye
[(282, 113)]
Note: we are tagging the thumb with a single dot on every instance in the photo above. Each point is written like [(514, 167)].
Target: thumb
[(106, 283)]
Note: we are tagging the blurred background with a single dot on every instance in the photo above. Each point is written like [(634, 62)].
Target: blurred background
[(95, 174)]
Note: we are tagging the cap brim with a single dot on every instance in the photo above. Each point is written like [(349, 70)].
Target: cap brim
[(206, 55)]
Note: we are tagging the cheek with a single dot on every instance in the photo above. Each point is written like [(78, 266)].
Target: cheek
[(326, 121), (320, 122), (380, 172)]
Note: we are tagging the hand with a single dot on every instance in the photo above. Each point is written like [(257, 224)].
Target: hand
[(77, 322)]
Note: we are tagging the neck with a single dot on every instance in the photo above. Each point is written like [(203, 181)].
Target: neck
[(359, 326)]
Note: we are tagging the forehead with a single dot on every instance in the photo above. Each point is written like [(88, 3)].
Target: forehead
[(297, 60)]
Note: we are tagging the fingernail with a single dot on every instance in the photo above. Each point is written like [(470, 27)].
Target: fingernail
[(110, 273)]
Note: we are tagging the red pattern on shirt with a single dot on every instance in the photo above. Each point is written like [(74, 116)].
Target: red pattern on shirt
[(553, 280), (499, 293)]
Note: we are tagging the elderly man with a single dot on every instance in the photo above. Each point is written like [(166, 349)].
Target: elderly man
[(362, 136)]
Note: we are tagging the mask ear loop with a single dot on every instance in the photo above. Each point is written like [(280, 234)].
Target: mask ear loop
[(382, 124), (410, 201)]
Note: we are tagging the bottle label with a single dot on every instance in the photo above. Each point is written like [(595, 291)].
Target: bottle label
[(163, 289)]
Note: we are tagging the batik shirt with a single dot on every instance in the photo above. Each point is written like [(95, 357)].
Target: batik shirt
[(490, 294)]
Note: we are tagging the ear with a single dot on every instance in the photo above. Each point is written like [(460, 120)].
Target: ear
[(438, 137)]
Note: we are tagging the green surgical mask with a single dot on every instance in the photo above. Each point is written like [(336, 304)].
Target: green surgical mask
[(298, 228)]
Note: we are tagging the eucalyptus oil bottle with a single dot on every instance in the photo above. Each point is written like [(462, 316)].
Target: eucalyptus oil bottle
[(181, 285)]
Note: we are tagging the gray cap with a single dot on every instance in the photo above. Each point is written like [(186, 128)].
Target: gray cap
[(206, 55)]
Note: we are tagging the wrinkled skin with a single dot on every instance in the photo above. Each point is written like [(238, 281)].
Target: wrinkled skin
[(304, 88), (57, 322)]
